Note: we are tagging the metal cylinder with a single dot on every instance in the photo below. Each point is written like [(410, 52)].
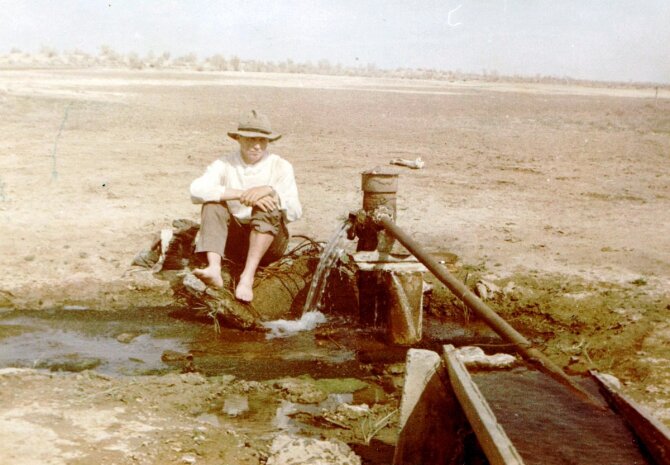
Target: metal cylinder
[(379, 186)]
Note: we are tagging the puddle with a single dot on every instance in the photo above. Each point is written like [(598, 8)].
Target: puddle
[(74, 340), (150, 341)]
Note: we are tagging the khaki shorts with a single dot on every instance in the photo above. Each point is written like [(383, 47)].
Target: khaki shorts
[(222, 233)]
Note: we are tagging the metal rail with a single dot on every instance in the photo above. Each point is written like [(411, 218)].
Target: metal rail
[(498, 324)]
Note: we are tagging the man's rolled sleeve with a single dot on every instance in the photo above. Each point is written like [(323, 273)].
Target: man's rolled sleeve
[(208, 187)]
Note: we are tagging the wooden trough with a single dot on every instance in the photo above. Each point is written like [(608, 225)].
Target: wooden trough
[(453, 415)]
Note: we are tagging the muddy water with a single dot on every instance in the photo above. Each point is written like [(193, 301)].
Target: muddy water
[(77, 339), (149, 341)]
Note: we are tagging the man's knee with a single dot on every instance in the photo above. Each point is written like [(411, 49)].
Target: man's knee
[(267, 222), (214, 211)]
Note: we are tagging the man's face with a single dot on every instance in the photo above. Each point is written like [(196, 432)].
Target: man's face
[(252, 148)]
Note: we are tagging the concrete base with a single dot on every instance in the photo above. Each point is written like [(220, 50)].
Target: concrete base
[(391, 295), (432, 424)]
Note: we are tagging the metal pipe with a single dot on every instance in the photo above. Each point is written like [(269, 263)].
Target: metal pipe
[(498, 324)]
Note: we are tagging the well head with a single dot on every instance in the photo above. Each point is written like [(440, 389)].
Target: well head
[(380, 180), (380, 186)]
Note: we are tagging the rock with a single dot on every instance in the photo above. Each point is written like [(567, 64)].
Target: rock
[(301, 391), (75, 308), (249, 386), (422, 365), (509, 288), (209, 419), (188, 458), (173, 356), (346, 415), (193, 378), (127, 338), (16, 371), (294, 450), (193, 284), (147, 258), (475, 357), (6, 299), (73, 364), (486, 289), (235, 405), (612, 380), (395, 369)]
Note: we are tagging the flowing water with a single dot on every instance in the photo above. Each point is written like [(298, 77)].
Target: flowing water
[(311, 313), (332, 251)]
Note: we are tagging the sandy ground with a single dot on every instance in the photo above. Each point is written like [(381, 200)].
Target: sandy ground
[(570, 183)]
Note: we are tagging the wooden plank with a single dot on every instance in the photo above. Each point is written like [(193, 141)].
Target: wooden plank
[(653, 434), (491, 436)]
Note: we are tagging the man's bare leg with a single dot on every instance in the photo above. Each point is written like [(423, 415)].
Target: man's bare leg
[(259, 243), (212, 274)]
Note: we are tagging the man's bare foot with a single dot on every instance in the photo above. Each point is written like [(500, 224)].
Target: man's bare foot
[(210, 276), (244, 290)]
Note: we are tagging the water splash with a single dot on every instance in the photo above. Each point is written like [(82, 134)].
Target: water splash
[(332, 251), (285, 328), (311, 313)]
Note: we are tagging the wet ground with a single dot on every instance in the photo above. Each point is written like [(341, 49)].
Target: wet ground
[(230, 381), (151, 341), (150, 345), (248, 379)]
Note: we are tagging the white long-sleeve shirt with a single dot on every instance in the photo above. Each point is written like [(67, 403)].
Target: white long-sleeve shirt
[(231, 172)]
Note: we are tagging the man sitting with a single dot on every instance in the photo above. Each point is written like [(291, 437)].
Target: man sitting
[(247, 199)]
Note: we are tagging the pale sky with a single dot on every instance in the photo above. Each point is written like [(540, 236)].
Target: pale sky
[(619, 40)]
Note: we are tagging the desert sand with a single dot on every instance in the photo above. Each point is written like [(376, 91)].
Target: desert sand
[(566, 184)]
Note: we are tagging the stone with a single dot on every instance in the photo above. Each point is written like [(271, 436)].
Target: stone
[(509, 288), (73, 364), (612, 380), (301, 391), (486, 290), (421, 366), (431, 420), (193, 378), (188, 458), (346, 415), (235, 405), (173, 356), (476, 358), (127, 338), (295, 450)]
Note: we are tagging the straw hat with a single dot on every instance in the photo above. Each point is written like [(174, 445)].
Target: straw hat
[(254, 124)]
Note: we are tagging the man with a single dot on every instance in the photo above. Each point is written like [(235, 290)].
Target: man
[(248, 197)]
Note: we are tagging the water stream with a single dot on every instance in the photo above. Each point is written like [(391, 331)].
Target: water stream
[(311, 313), (332, 251)]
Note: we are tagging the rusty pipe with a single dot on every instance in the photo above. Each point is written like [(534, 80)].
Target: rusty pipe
[(497, 323)]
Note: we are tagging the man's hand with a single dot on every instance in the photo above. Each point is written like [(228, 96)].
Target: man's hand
[(250, 196), (263, 197), (268, 203)]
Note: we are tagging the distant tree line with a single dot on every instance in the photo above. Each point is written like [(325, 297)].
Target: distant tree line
[(109, 58)]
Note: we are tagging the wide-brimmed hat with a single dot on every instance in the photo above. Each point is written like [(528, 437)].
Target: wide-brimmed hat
[(254, 124)]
